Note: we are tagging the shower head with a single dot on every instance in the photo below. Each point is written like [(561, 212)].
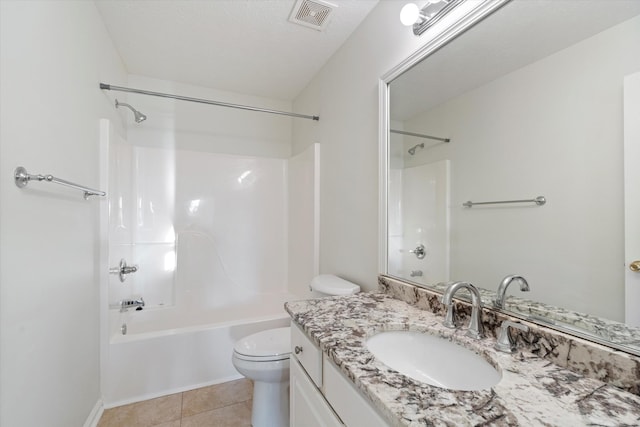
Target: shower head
[(137, 115), (412, 150)]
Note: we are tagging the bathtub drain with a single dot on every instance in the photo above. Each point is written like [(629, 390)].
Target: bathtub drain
[(123, 329)]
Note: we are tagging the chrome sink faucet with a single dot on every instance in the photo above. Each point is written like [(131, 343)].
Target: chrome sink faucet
[(502, 289), (476, 329)]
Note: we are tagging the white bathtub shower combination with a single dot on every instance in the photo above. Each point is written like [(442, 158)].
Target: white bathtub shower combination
[(171, 350), (209, 234)]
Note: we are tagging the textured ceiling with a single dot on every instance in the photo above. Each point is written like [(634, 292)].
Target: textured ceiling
[(245, 46)]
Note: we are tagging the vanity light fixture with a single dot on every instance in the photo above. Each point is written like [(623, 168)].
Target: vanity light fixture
[(421, 19)]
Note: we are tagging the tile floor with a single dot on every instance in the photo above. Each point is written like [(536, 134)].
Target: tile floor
[(220, 405)]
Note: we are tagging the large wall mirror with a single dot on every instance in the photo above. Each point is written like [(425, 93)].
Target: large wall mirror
[(526, 106)]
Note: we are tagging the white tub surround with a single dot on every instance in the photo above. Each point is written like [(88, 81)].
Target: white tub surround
[(208, 232), (532, 390)]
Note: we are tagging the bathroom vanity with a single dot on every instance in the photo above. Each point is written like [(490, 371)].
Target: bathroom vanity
[(335, 379), (498, 83)]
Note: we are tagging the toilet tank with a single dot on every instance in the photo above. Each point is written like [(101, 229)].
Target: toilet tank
[(329, 284)]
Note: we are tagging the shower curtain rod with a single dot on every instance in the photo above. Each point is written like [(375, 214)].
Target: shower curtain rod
[(419, 135), (205, 101)]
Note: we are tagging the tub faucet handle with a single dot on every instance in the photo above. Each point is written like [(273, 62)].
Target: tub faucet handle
[(123, 269), (419, 251)]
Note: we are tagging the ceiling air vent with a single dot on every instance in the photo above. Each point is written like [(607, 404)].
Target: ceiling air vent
[(311, 13)]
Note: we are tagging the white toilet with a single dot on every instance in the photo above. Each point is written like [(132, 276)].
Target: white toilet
[(264, 358)]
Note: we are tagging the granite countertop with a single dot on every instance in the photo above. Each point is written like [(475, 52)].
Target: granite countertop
[(608, 330), (533, 391)]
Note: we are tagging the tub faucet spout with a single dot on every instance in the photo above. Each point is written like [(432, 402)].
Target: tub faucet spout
[(502, 289), (129, 303), (476, 329)]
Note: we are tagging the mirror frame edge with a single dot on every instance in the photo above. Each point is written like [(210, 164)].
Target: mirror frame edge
[(383, 163)]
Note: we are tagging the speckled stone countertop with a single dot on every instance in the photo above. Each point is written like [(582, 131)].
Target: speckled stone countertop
[(532, 392)]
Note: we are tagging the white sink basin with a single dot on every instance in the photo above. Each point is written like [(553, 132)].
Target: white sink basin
[(433, 360)]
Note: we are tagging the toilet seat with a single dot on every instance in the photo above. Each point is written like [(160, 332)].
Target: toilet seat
[(260, 359), (266, 346)]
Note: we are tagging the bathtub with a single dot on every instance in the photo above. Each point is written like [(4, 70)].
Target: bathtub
[(168, 350)]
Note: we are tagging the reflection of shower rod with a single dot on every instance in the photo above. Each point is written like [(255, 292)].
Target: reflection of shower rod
[(419, 135)]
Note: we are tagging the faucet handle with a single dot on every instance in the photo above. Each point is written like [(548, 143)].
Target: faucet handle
[(505, 342), (419, 251), (123, 269)]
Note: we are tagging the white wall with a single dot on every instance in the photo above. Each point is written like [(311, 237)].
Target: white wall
[(52, 57), (202, 127), (553, 128), (345, 95)]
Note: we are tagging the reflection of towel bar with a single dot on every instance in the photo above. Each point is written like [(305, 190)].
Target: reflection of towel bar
[(540, 200), (22, 178)]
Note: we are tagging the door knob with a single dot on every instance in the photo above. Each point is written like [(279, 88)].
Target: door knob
[(635, 266)]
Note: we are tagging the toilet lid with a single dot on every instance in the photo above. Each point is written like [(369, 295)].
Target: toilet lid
[(330, 284), (269, 344)]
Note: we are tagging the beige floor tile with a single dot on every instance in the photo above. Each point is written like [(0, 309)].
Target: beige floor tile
[(216, 396), (238, 415), (150, 413), (176, 423)]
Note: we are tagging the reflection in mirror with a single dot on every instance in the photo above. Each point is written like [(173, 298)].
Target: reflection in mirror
[(531, 101)]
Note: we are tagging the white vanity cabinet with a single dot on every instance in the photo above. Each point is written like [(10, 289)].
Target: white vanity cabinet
[(320, 396), (307, 406)]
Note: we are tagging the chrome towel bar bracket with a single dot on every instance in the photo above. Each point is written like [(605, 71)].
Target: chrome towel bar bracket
[(540, 200), (22, 178)]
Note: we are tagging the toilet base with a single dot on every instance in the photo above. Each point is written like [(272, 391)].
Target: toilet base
[(270, 404)]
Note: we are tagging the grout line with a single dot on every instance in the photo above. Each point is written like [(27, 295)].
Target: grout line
[(181, 407)]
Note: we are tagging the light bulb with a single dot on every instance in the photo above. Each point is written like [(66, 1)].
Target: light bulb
[(409, 14)]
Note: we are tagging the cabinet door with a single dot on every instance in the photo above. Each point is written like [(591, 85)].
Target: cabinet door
[(307, 354), (308, 407), (345, 399)]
